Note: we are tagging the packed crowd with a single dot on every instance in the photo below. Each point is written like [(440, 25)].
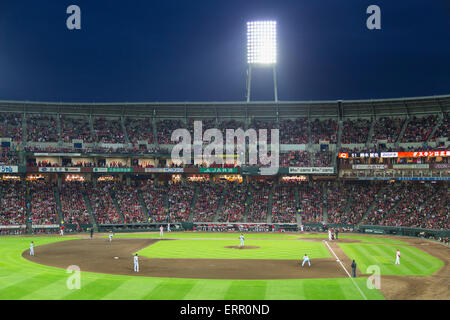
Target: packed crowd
[(259, 206), (384, 204), (294, 131), (108, 130), (442, 129), (208, 202), (139, 130), (43, 203), (13, 207), (322, 159), (11, 126), (128, 200), (76, 128), (418, 129), (311, 202), (73, 205), (284, 207), (387, 129), (295, 159), (180, 197), (42, 128), (355, 131), (234, 203), (8, 157), (104, 210), (326, 130), (165, 128), (154, 197)]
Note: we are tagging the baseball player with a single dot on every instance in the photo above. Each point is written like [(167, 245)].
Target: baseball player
[(136, 263), (306, 259), (168, 227), (61, 231), (242, 239), (330, 237), (110, 236), (32, 248), (397, 259), (161, 231)]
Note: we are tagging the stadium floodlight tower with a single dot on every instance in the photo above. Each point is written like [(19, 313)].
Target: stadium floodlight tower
[(261, 50)]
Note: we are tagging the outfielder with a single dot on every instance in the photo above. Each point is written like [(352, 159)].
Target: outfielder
[(32, 248), (397, 259), (136, 263), (306, 259), (161, 231), (242, 239)]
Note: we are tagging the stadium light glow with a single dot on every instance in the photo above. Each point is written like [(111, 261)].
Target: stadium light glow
[(262, 42)]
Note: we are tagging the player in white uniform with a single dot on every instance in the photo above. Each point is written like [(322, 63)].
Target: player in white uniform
[(306, 259), (168, 227), (242, 239), (110, 236), (32, 248), (161, 231), (397, 259), (61, 231), (136, 263), (329, 235)]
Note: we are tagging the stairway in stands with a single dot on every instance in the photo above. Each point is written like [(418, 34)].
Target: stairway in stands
[(116, 204), (248, 201), (142, 203), (58, 205), (297, 202), (269, 205), (28, 200), (371, 206), (91, 213), (220, 205), (402, 132), (124, 129), (193, 203), (325, 202)]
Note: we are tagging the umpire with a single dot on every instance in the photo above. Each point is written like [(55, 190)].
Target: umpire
[(354, 269), (92, 232)]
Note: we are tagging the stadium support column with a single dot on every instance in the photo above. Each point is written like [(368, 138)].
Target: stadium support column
[(275, 88), (249, 81)]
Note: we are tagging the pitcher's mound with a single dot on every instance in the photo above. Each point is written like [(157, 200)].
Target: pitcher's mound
[(244, 247)]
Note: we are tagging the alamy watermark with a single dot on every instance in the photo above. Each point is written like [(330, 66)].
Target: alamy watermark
[(74, 281), (218, 152)]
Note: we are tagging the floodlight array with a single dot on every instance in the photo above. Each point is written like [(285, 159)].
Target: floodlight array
[(262, 42)]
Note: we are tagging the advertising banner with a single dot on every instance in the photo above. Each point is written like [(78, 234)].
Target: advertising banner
[(58, 169), (369, 166), (218, 170), (303, 170), (9, 169)]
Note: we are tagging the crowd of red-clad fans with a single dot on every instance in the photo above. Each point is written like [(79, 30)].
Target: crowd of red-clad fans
[(207, 202), (295, 159), (11, 126), (73, 204), (294, 131), (139, 130), (284, 207), (419, 205), (102, 204), (355, 131), (387, 129), (43, 203), (419, 129), (76, 128), (109, 130), (42, 128), (325, 130)]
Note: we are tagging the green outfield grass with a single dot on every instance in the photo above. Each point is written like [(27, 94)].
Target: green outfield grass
[(215, 249), (22, 279), (413, 262), (208, 235), (369, 239)]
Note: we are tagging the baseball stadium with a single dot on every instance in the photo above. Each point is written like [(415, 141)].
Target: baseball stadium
[(357, 181)]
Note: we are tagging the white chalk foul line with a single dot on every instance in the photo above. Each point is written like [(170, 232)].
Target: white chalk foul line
[(340, 262)]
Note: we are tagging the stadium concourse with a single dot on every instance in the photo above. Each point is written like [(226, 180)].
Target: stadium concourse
[(344, 164)]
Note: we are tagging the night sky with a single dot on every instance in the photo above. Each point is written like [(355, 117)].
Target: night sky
[(166, 50)]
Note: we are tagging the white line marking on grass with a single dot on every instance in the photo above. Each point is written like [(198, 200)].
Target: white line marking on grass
[(342, 265)]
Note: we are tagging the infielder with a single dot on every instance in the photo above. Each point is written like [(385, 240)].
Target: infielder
[(136, 263), (329, 235), (397, 259), (110, 236), (161, 231), (242, 239), (306, 259), (61, 231), (168, 227), (32, 248)]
